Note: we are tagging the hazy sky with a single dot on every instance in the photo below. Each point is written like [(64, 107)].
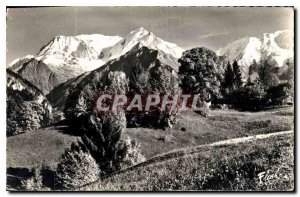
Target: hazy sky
[(28, 29)]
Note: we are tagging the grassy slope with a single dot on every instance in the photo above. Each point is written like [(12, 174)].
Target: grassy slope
[(262, 164), (220, 125), (37, 148), (44, 146)]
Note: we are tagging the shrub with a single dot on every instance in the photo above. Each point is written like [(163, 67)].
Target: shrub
[(25, 116), (26, 107), (156, 118), (76, 168), (133, 153), (35, 183)]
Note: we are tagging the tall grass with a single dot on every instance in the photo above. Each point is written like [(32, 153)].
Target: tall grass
[(260, 165)]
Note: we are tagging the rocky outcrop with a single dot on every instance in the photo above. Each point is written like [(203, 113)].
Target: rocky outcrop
[(27, 108)]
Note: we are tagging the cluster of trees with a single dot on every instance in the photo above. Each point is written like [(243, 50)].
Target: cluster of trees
[(258, 92), (103, 148), (268, 85), (157, 81)]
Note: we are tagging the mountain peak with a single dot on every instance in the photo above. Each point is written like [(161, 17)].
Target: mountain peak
[(144, 38), (138, 34), (59, 37), (141, 29)]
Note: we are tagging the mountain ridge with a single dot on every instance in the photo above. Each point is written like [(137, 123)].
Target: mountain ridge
[(67, 57)]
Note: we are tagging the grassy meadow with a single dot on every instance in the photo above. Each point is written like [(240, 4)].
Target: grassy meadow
[(185, 157), (193, 129)]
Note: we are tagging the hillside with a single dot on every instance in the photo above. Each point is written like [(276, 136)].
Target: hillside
[(140, 70), (193, 129), (54, 99), (220, 125), (37, 148), (246, 165)]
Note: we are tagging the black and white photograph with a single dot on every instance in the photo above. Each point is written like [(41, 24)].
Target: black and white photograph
[(143, 99)]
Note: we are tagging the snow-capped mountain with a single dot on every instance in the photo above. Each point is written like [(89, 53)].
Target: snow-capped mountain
[(137, 65), (145, 38), (76, 53), (276, 47), (81, 46), (66, 57)]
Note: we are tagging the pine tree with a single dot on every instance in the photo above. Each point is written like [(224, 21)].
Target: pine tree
[(237, 74), (102, 137), (228, 78), (267, 75)]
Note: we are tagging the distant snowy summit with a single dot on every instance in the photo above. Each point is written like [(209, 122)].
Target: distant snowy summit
[(277, 47), (65, 57), (144, 38)]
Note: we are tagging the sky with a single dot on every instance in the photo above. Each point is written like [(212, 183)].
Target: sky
[(28, 29)]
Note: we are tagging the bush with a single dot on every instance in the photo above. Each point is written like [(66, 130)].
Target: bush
[(34, 183), (76, 168), (255, 96), (25, 116), (133, 153), (26, 108), (156, 118)]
